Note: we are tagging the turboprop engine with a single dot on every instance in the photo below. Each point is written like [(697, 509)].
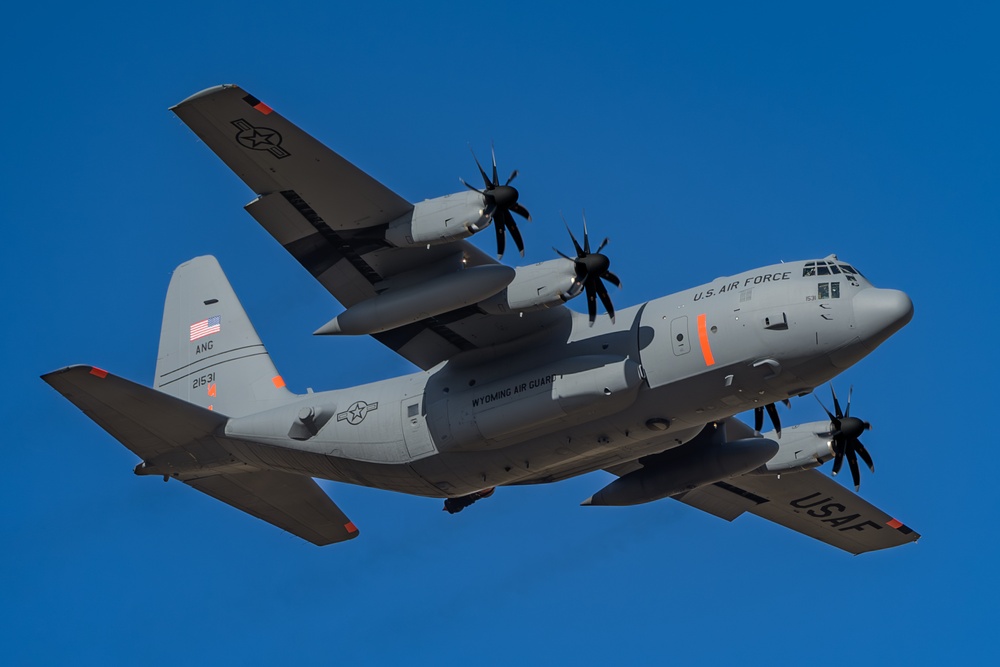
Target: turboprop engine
[(802, 447), (439, 220)]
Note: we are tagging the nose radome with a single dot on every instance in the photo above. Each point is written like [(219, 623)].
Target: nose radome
[(879, 313)]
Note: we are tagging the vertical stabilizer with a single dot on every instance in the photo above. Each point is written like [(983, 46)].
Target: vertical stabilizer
[(210, 354)]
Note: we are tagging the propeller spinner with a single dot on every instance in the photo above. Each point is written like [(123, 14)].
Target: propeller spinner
[(501, 201), (591, 270), (845, 430)]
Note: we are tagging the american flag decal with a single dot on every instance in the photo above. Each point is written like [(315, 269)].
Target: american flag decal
[(206, 327)]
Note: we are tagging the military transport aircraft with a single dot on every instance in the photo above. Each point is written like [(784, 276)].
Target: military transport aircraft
[(514, 387)]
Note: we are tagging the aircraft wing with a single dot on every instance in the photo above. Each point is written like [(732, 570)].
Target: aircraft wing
[(808, 502), (331, 217), (162, 429)]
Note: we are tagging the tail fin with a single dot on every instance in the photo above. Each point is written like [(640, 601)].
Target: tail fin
[(210, 354)]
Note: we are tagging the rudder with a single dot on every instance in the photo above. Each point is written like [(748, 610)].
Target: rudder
[(210, 354)]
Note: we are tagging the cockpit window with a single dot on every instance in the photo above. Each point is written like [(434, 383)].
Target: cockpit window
[(828, 290), (847, 268), (826, 268)]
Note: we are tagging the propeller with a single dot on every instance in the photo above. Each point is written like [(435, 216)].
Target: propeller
[(591, 270), (501, 201), (845, 430), (772, 412)]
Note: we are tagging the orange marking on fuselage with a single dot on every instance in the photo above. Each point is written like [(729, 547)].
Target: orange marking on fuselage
[(278, 381), (706, 349)]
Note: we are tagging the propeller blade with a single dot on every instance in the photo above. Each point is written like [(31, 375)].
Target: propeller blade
[(772, 412), (838, 451), (501, 237), (612, 278), (562, 254), (603, 243), (836, 403), (579, 250), (602, 292), (472, 188), (496, 181), (513, 175), (850, 392), (521, 211), (591, 302), (586, 236), (832, 418), (515, 233), (486, 179), (852, 461), (758, 419), (863, 453)]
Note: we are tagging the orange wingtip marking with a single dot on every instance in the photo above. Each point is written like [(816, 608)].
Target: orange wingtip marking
[(350, 527), (99, 372), (278, 382), (263, 108), (895, 523), (706, 349)]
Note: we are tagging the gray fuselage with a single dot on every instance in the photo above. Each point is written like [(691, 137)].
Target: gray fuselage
[(576, 398)]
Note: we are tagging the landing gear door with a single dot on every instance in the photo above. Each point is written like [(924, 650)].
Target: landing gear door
[(415, 433)]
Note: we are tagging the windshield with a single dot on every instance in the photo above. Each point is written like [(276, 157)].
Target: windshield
[(828, 267)]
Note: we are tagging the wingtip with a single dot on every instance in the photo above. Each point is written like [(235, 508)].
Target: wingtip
[(587, 502)]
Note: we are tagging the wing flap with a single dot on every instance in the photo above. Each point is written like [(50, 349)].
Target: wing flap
[(291, 502), (810, 503)]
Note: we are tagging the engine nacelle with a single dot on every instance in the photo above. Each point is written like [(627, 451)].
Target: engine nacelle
[(439, 220), (799, 449), (537, 286)]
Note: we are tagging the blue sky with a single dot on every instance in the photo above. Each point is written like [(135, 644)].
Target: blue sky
[(704, 139)]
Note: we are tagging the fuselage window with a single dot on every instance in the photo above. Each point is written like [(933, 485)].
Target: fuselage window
[(823, 270), (834, 269), (809, 269), (835, 290), (824, 290)]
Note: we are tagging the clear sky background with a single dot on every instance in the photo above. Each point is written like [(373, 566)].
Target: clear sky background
[(705, 139)]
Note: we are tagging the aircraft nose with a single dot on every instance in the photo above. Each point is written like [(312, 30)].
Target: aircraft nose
[(879, 313)]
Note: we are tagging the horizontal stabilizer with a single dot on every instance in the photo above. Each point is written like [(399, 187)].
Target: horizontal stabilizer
[(148, 422), (164, 430), (290, 502)]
